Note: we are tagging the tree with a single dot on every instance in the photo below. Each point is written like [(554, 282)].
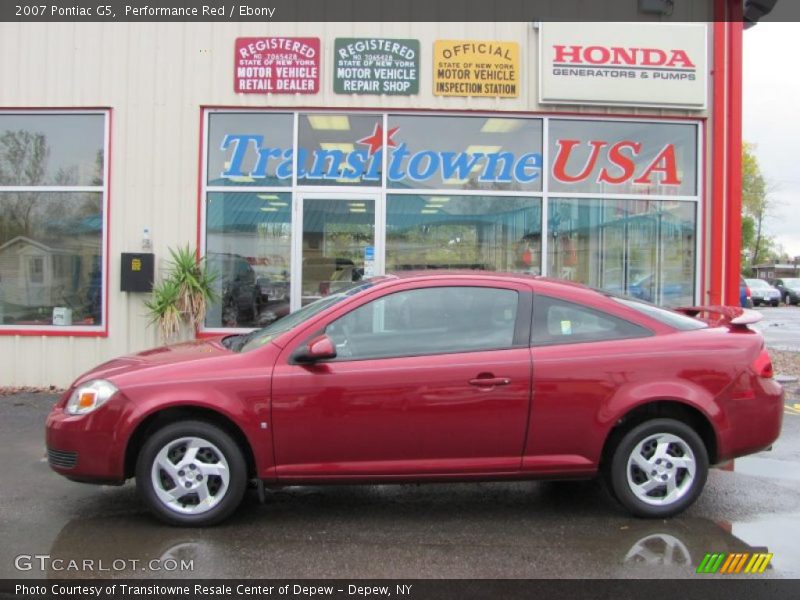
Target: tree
[(757, 206), (23, 161)]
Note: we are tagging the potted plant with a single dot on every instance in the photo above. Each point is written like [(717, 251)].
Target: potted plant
[(180, 299)]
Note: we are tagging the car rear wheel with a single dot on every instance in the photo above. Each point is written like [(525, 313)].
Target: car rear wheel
[(658, 468), (191, 473)]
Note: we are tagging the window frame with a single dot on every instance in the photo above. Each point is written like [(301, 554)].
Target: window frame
[(102, 329), (698, 199)]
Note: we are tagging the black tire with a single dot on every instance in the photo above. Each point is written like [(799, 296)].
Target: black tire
[(775, 303), (617, 474), (216, 440)]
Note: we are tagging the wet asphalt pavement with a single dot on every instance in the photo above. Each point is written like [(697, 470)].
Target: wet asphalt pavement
[(491, 530), (781, 327)]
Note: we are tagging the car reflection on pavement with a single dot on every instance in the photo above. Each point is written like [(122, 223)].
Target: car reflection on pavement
[(314, 532)]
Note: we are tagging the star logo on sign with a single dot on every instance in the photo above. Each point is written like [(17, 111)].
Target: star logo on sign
[(375, 141)]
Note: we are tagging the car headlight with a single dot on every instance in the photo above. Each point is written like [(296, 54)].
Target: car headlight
[(90, 396)]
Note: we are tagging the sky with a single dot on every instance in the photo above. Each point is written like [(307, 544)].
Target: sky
[(771, 120)]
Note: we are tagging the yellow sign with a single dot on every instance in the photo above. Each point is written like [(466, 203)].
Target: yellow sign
[(475, 68), (136, 264)]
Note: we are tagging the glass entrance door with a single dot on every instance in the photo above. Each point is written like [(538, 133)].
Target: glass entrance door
[(336, 244)]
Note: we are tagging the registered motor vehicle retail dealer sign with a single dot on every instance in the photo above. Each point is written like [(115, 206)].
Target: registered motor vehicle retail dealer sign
[(647, 64), (276, 65), (475, 68), (376, 66)]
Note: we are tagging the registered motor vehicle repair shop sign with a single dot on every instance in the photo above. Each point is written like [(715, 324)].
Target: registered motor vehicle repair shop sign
[(376, 66)]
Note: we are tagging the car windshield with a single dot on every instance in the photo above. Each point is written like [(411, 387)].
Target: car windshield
[(260, 337), (757, 283)]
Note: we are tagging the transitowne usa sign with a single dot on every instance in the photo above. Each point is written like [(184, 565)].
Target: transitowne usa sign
[(623, 64)]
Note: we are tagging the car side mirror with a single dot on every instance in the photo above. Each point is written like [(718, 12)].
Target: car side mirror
[(320, 348)]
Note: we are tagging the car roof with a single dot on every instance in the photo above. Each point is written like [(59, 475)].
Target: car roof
[(536, 281)]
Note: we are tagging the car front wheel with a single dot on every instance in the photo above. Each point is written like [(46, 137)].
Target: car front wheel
[(191, 473), (658, 468)]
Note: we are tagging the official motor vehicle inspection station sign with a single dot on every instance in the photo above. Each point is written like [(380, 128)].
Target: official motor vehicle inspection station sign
[(376, 66), (475, 68), (276, 65)]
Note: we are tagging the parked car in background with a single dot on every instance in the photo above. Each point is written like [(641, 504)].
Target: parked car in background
[(236, 284), (789, 287), (763, 293), (430, 377), (745, 297)]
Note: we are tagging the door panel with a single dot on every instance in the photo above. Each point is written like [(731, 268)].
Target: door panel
[(396, 416)]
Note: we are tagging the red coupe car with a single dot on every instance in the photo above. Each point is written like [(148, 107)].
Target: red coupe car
[(437, 377)]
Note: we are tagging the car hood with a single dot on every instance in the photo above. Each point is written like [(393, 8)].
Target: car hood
[(197, 350)]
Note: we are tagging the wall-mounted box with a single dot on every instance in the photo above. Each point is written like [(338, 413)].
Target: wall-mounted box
[(138, 269)]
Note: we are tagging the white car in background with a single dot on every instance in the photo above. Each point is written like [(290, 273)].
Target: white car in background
[(763, 293)]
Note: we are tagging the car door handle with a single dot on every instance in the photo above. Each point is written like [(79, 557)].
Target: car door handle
[(489, 381)]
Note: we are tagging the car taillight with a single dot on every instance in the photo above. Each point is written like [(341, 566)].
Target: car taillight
[(747, 291), (763, 365)]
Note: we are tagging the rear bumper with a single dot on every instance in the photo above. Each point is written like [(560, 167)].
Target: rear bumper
[(752, 424)]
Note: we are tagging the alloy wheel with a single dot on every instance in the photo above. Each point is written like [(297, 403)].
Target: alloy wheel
[(661, 469), (190, 475)]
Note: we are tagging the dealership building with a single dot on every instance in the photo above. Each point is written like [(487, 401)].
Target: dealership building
[(297, 157)]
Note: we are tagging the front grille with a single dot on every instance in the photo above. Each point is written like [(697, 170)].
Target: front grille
[(62, 459)]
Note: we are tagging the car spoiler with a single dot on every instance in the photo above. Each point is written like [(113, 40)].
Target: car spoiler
[(734, 316)]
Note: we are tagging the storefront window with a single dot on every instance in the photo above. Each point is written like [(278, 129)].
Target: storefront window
[(248, 247), (463, 232), (470, 153), (51, 241), (638, 247), (613, 157), (337, 149), (446, 191), (250, 149)]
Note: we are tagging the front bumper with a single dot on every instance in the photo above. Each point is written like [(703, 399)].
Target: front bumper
[(86, 447)]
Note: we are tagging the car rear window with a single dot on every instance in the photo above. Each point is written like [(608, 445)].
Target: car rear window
[(663, 315), (557, 321)]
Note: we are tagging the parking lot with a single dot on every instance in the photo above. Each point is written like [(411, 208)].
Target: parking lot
[(493, 530)]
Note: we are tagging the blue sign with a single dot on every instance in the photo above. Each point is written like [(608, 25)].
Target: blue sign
[(364, 164), (369, 253)]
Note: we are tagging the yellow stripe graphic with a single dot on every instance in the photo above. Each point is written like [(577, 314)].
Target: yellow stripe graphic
[(751, 564), (767, 558)]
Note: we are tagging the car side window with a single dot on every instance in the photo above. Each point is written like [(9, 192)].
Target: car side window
[(557, 321), (439, 320)]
